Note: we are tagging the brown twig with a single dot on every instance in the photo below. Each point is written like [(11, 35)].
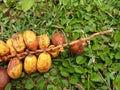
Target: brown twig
[(79, 87), (97, 34), (104, 80), (38, 51)]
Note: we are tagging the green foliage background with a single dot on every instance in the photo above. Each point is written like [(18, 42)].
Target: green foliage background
[(98, 68)]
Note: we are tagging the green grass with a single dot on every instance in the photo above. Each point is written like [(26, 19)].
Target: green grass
[(98, 68)]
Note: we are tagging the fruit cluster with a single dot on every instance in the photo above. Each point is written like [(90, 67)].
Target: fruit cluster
[(29, 46), (36, 51)]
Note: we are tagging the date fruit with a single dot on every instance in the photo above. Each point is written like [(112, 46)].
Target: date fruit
[(10, 44), (44, 41), (30, 64), (4, 49), (14, 69), (58, 39), (30, 39), (53, 53), (44, 62), (18, 43), (78, 48), (4, 78)]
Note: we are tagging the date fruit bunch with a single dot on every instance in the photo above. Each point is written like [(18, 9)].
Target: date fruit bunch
[(35, 51)]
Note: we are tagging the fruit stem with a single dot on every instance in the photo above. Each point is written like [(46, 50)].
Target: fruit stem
[(97, 34)]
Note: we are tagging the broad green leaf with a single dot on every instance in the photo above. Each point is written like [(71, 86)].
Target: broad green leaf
[(111, 76), (51, 87), (108, 61), (53, 72), (96, 77), (90, 62), (117, 36), (55, 80), (74, 79), (95, 47), (34, 74), (116, 45), (29, 84), (111, 54), (115, 11), (117, 56), (79, 69), (40, 83), (89, 8), (116, 82), (64, 2), (71, 69), (64, 72), (80, 59), (115, 67), (98, 66), (65, 63), (8, 87), (65, 53), (106, 50), (65, 83), (46, 75), (83, 2), (75, 35), (103, 87), (23, 74), (105, 38), (26, 5), (76, 3)]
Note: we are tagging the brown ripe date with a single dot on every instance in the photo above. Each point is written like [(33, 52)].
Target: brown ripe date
[(14, 69), (30, 64), (30, 39), (4, 49), (53, 53), (4, 78), (77, 48), (44, 62), (58, 39), (10, 44), (18, 43), (44, 41)]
